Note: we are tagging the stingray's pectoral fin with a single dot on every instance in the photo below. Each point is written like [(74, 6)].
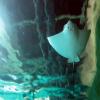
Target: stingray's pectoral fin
[(76, 59)]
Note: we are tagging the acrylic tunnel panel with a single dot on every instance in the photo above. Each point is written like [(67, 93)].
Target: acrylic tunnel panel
[(30, 67)]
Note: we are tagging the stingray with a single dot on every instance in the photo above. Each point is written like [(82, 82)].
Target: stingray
[(70, 42)]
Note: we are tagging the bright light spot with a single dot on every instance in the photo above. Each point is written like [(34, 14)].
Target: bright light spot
[(1, 98), (46, 98), (2, 25), (10, 88), (12, 76)]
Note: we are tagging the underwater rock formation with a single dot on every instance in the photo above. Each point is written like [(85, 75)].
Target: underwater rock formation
[(94, 92)]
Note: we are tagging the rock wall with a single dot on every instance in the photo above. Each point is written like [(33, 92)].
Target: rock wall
[(88, 68), (94, 93)]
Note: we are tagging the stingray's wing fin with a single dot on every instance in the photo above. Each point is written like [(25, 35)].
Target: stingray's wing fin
[(83, 38), (55, 41)]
